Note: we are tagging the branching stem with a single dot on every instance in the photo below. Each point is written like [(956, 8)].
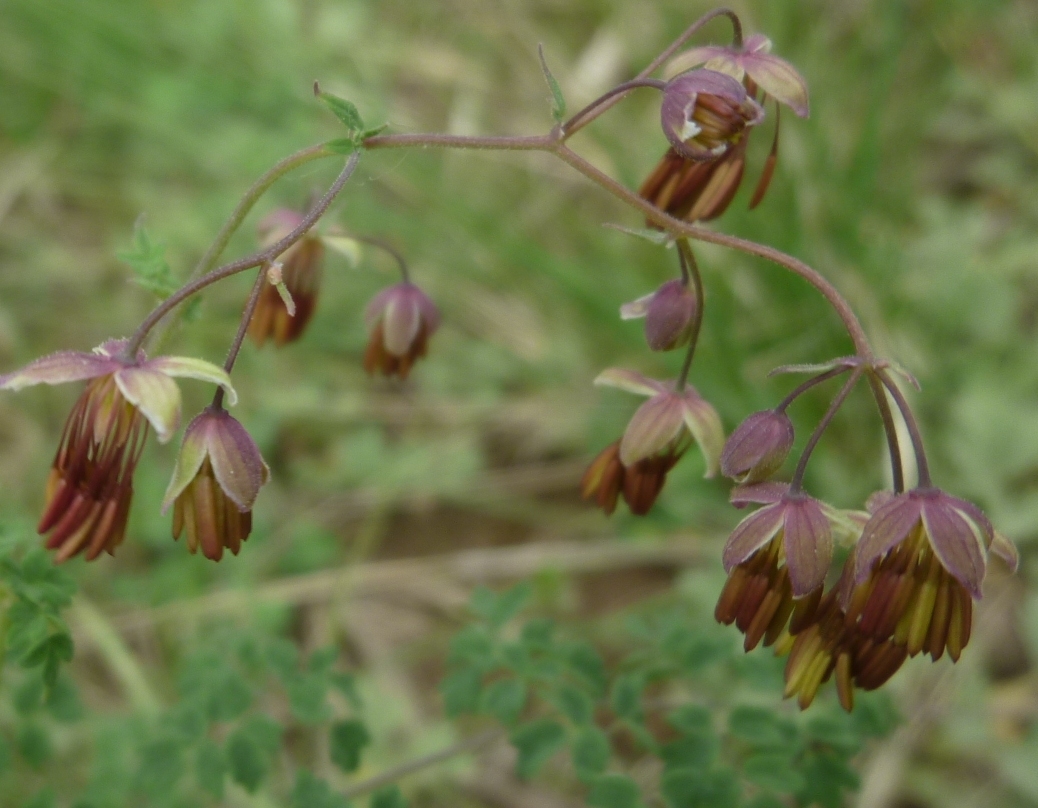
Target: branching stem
[(797, 483), (897, 471), (248, 262)]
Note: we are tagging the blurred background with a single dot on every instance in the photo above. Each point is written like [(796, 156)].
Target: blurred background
[(912, 186)]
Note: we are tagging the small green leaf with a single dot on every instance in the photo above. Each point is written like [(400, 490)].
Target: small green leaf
[(691, 719), (210, 768), (536, 742), (341, 145), (460, 691), (590, 751), (614, 791), (162, 766), (498, 608), (34, 745), (376, 130), (348, 739), (584, 660), (761, 727), (310, 791), (504, 699), (575, 704), (388, 797), (773, 771), (322, 659), (537, 634), (626, 698), (692, 788), (306, 698), (835, 729), (826, 777), (694, 751), (249, 750), (346, 683), (147, 259), (558, 106), (472, 646), (344, 110)]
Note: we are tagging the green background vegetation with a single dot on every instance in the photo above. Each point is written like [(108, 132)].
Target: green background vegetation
[(912, 186)]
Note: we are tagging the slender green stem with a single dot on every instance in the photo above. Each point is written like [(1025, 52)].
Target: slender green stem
[(390, 776), (796, 484), (896, 467), (248, 262), (913, 428), (690, 269), (496, 143), (251, 197)]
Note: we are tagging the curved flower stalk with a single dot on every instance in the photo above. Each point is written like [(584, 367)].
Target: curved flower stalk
[(301, 270), (90, 487), (658, 434), (217, 478)]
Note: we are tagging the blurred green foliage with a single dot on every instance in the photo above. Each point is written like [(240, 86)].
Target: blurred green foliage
[(912, 186)]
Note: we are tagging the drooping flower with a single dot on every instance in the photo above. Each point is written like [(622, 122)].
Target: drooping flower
[(217, 477), (400, 321), (669, 313), (301, 274), (90, 486), (775, 557), (698, 189), (921, 560), (758, 447), (705, 113), (775, 76), (658, 434)]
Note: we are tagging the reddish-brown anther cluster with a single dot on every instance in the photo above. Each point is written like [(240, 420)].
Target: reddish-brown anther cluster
[(90, 486), (640, 484)]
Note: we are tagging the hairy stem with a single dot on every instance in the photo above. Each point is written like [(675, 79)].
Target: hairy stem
[(243, 329), (890, 429), (256, 259), (604, 102), (800, 389), (245, 206), (690, 269), (796, 484), (912, 425), (390, 776)]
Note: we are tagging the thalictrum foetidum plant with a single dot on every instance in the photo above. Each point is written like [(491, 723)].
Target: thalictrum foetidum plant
[(843, 595)]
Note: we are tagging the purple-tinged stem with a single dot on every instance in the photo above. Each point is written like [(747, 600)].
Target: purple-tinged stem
[(690, 269), (248, 262), (243, 329), (913, 428), (799, 390), (592, 111), (386, 247), (796, 484), (897, 471)]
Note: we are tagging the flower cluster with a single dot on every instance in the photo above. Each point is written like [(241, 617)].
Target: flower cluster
[(916, 564)]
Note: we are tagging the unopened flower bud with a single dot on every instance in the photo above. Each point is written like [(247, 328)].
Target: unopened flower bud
[(758, 447), (217, 477), (400, 321), (669, 312)]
